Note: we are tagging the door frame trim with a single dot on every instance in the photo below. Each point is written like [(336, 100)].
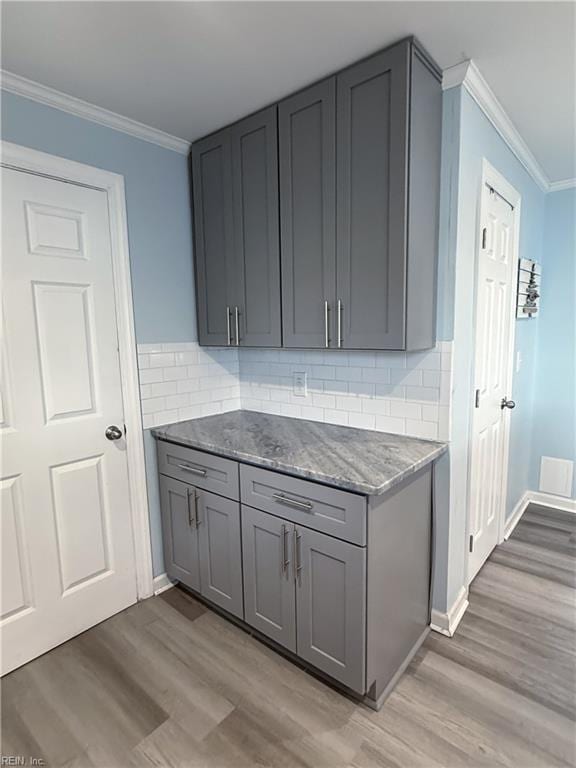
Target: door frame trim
[(51, 166), (493, 178)]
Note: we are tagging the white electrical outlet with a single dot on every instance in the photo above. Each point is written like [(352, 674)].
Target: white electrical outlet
[(300, 384)]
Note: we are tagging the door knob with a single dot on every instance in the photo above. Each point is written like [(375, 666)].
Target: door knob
[(505, 403), (113, 432)]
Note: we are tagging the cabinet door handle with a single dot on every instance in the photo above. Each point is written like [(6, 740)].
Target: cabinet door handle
[(285, 560), (339, 323), (192, 516), (237, 325), (193, 470), (228, 327), (326, 324), (292, 502), (297, 554)]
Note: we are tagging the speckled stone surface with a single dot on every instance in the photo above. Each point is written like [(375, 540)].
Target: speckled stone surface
[(353, 459)]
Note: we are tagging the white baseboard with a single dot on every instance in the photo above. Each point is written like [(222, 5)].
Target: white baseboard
[(162, 583), (536, 497), (517, 513), (447, 623), (549, 500)]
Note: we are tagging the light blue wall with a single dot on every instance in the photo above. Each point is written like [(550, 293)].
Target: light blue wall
[(157, 200), (554, 422), (468, 138), (159, 230), (480, 139)]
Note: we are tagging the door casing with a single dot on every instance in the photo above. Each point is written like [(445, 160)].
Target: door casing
[(52, 166), (494, 179)]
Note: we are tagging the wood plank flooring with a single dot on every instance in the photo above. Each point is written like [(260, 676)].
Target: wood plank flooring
[(169, 683)]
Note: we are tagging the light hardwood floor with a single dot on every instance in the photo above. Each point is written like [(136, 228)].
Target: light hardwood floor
[(169, 683)]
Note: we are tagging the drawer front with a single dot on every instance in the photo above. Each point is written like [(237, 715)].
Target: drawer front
[(203, 470), (337, 513)]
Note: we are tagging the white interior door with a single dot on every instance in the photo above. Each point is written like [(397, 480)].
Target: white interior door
[(67, 543), (494, 316)]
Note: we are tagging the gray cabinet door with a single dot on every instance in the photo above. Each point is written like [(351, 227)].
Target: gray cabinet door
[(213, 236), (179, 533), (331, 606), (307, 152), (218, 521), (269, 592), (371, 126), (256, 235)]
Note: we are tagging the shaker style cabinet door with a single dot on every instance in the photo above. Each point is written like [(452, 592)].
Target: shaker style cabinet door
[(257, 312), (307, 151), (331, 606), (179, 534), (269, 593), (218, 521), (213, 237), (371, 136)]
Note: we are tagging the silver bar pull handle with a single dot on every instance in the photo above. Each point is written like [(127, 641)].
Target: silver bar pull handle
[(297, 555), (228, 327), (339, 322), (284, 559), (196, 515), (280, 497), (326, 323), (192, 517), (193, 470), (237, 325)]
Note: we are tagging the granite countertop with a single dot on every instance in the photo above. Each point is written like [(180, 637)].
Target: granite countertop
[(357, 460)]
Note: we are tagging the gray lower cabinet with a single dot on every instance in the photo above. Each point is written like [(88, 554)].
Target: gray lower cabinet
[(331, 612), (179, 533), (307, 153), (269, 592), (219, 544), (307, 592), (338, 579), (202, 543)]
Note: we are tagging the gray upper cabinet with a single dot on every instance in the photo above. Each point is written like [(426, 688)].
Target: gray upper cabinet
[(331, 610), (269, 592), (179, 533), (371, 210), (358, 158), (307, 152), (256, 235), (213, 236), (218, 521)]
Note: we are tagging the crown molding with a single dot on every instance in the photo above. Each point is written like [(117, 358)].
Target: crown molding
[(559, 186), (43, 94), (469, 76)]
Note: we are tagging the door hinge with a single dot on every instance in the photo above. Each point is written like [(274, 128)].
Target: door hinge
[(484, 238), (477, 399), (471, 544)]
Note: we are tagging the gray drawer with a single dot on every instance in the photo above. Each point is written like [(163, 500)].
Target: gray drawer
[(200, 469), (325, 509)]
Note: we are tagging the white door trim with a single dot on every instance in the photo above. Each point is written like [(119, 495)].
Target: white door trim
[(494, 179), (26, 159)]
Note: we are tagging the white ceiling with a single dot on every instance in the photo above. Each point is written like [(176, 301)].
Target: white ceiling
[(189, 68)]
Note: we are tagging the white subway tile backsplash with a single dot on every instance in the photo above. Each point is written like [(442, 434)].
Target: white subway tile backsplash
[(405, 393), (406, 377), (161, 360)]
